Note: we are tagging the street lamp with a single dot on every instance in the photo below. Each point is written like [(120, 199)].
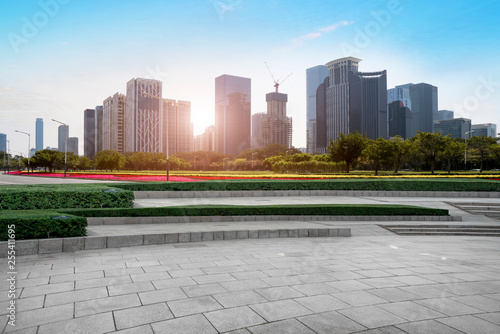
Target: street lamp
[(8, 156), (166, 142), (29, 144), (252, 158), (65, 146), (465, 155)]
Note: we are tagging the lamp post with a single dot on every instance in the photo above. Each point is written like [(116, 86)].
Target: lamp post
[(465, 155), (8, 156), (29, 144), (65, 146), (252, 158), (166, 143)]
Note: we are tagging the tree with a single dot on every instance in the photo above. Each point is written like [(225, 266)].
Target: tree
[(452, 150), (378, 152), (482, 146), (84, 163), (400, 150), (47, 158), (347, 148), (430, 145), (109, 159)]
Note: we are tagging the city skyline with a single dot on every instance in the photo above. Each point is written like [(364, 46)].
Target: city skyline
[(78, 53)]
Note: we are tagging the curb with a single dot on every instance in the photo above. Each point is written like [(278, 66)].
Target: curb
[(59, 245)]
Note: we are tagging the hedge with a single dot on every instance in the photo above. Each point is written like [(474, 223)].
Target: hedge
[(237, 210), (337, 184), (50, 197), (42, 227)]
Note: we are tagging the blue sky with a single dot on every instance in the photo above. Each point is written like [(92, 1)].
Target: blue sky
[(81, 52)]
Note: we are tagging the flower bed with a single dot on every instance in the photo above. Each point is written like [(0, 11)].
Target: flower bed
[(115, 177)]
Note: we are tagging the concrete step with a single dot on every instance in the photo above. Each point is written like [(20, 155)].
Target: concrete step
[(471, 230)]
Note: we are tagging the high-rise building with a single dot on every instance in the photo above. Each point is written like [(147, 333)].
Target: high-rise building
[(355, 101), (98, 128), (319, 130), (208, 139), (143, 119), (456, 127), (176, 122), (73, 145), (257, 120), (89, 133), (232, 114), (424, 107), (39, 134), (3, 143), (63, 135), (400, 120), (113, 123), (486, 129), (276, 127), (315, 76), (400, 93), (444, 114)]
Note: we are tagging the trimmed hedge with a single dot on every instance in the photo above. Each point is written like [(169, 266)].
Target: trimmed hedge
[(236, 210), (337, 184), (42, 227), (55, 197)]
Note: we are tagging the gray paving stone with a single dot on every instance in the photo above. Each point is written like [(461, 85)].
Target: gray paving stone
[(73, 244), (195, 236), (314, 289), (26, 247), (282, 327), (23, 304), (240, 285), (274, 233), (207, 236), (279, 310), (229, 235), (141, 315), (98, 324), (234, 318), (239, 298), (242, 235), (125, 241), (411, 311), (181, 308), (154, 239), (213, 278), (359, 298), (349, 285), (95, 242), (218, 235), (173, 282), (42, 316), (76, 277), (448, 306), (372, 316), (105, 304), (480, 302), (145, 329), (426, 327), (263, 233), (493, 317), (331, 322), (47, 289), (394, 294), (322, 303), (123, 289), (186, 272), (184, 237), (203, 290), (471, 324), (171, 238), (75, 296), (195, 324), (105, 281), (164, 295)]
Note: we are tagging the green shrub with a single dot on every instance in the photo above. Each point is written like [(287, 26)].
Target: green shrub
[(230, 210), (42, 227)]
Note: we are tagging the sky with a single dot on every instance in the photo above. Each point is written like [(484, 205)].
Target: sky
[(60, 57)]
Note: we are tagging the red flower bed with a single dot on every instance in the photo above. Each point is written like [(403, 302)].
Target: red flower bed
[(113, 177)]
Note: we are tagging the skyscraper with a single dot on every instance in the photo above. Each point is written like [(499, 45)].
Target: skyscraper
[(319, 129), (355, 101), (73, 145), (486, 129), (400, 120), (257, 120), (98, 128), (400, 93), (176, 117), (444, 114), (276, 127), (232, 113), (3, 143), (143, 121), (315, 76), (63, 135), (39, 134), (89, 133), (113, 123), (424, 107), (456, 127)]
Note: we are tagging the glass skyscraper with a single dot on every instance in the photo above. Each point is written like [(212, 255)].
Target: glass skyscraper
[(89, 134), (39, 134), (315, 76)]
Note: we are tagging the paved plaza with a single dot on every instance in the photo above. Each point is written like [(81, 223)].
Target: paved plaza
[(372, 282)]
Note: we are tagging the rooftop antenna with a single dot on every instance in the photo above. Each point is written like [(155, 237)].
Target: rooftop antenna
[(277, 83)]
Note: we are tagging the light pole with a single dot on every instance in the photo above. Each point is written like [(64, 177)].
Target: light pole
[(8, 156), (65, 146), (465, 155), (252, 158), (166, 142), (29, 144)]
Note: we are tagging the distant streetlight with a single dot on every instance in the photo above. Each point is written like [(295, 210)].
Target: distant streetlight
[(65, 147), (252, 158), (158, 98), (8, 156), (465, 156), (29, 144)]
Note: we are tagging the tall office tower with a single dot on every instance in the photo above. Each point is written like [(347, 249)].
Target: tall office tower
[(73, 145), (39, 134), (143, 121), (257, 120), (355, 101), (89, 133), (208, 139), (98, 128), (276, 126), (176, 122), (320, 134), (486, 129), (197, 142), (113, 122), (424, 107), (400, 93), (315, 76), (444, 114), (3, 144), (63, 135), (456, 127), (400, 120), (232, 113)]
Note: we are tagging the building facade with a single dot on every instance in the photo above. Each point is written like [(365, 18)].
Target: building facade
[(89, 133), (486, 129), (177, 129), (424, 107), (3, 144), (62, 137), (113, 118), (444, 114), (98, 128), (400, 120), (456, 127), (276, 127), (39, 134), (400, 93), (315, 76), (257, 120), (232, 114), (143, 120), (73, 145)]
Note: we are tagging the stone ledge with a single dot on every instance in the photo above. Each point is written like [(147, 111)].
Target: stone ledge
[(58, 245)]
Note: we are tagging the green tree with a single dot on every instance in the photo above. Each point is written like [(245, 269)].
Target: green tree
[(109, 159), (378, 152), (84, 163), (452, 150), (481, 146), (430, 145), (47, 158), (347, 148)]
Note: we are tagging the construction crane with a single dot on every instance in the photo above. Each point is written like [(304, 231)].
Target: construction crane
[(277, 83)]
